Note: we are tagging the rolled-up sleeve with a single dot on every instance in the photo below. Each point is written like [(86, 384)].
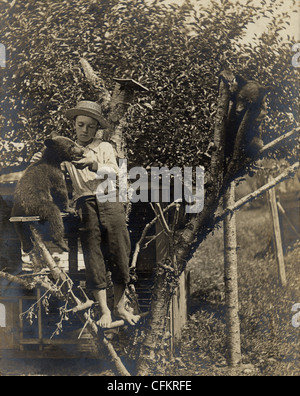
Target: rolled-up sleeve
[(106, 156)]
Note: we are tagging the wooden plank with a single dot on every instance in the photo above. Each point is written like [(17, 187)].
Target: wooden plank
[(73, 254), (6, 326), (277, 235), (27, 219), (46, 341)]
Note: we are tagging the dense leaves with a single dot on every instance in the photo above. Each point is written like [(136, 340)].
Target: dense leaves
[(177, 51)]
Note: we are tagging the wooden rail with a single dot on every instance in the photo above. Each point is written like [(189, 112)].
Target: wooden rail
[(32, 219)]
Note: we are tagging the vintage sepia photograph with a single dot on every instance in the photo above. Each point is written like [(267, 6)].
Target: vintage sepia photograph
[(149, 190)]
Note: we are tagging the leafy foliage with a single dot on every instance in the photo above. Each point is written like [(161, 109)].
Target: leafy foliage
[(177, 51)]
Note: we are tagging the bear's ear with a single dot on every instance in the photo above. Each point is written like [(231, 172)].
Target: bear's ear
[(52, 135), (49, 139), (240, 80), (49, 142)]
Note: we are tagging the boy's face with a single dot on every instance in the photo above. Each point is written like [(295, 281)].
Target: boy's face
[(85, 128)]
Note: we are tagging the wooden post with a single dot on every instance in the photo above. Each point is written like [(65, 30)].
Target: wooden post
[(231, 280), (283, 212), (73, 253), (277, 235)]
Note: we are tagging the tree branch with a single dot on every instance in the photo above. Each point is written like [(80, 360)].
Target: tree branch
[(187, 240), (161, 218), (96, 82), (32, 283), (275, 142), (230, 175), (66, 294), (15, 279), (217, 158), (288, 173), (144, 233), (200, 225)]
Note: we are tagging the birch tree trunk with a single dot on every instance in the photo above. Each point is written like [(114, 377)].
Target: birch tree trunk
[(231, 281)]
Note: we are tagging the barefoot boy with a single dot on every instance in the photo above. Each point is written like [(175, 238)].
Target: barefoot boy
[(103, 224)]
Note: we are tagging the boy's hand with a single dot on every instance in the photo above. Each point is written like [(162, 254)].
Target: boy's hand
[(71, 211), (83, 163)]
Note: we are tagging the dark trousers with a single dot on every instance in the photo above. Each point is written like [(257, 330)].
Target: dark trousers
[(104, 236)]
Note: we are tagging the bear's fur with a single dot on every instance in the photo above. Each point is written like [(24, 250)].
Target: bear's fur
[(246, 95), (42, 191)]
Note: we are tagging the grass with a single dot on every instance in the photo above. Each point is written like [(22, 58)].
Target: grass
[(270, 344)]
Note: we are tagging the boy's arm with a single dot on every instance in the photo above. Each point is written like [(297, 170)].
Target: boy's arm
[(106, 160), (109, 158)]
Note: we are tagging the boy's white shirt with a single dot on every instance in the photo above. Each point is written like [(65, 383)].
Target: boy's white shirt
[(86, 182)]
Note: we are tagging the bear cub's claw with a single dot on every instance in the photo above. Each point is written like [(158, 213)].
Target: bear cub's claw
[(62, 245)]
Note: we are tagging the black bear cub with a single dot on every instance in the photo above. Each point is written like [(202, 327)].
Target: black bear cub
[(42, 191)]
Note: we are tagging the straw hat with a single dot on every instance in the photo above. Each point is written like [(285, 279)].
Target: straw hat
[(90, 109)]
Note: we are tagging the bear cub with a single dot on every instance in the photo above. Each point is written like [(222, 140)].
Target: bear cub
[(42, 191)]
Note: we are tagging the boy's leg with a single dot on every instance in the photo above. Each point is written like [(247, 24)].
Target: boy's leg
[(100, 296), (112, 216), (91, 238)]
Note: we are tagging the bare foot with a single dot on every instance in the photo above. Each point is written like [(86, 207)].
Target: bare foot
[(125, 315), (105, 319)]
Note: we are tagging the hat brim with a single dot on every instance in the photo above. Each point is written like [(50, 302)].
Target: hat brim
[(72, 113)]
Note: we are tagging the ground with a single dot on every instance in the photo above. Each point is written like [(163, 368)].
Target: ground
[(270, 343)]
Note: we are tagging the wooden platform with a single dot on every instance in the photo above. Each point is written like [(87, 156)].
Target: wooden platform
[(20, 339)]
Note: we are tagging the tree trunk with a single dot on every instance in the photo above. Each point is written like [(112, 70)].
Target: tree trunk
[(231, 281), (153, 349)]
